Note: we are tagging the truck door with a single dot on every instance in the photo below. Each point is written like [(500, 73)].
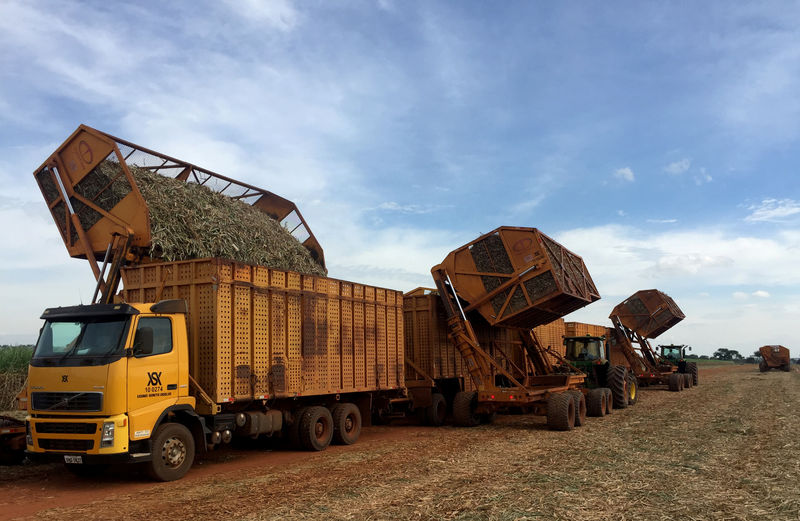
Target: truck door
[(152, 373)]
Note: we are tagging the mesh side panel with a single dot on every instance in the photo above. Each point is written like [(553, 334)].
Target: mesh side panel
[(635, 306), (517, 302), (551, 248), (87, 215), (490, 255), (499, 300), (491, 283), (48, 186), (105, 186), (60, 214), (540, 286)]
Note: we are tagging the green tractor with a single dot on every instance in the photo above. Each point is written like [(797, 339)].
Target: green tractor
[(676, 354), (590, 355)]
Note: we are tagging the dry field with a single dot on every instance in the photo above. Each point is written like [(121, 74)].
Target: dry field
[(727, 449)]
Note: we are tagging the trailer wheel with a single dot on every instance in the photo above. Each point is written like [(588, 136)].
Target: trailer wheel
[(561, 412), (173, 452), (787, 367), (596, 403), (316, 428), (633, 390), (675, 382), (609, 400), (617, 378), (346, 423), (464, 405), (437, 411), (762, 366), (692, 368), (687, 381), (580, 407), (487, 418)]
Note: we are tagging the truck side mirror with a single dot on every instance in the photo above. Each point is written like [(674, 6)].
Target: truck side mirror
[(143, 341)]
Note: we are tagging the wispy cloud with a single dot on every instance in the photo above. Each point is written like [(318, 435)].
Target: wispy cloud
[(678, 167), (626, 174), (702, 177), (391, 206), (773, 210), (662, 221)]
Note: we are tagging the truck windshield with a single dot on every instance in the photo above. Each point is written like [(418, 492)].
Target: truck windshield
[(672, 352), (62, 340), (584, 349)]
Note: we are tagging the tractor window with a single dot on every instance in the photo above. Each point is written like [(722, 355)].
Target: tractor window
[(585, 349)]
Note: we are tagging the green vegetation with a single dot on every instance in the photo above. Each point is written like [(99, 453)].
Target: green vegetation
[(15, 359)]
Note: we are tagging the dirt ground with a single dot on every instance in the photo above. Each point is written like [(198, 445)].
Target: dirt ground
[(726, 450)]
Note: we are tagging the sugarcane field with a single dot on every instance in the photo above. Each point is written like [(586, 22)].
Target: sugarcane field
[(274, 260)]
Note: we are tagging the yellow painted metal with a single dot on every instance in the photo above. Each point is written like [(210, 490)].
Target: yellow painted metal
[(259, 333)]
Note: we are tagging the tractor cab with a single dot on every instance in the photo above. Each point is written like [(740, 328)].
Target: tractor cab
[(674, 353), (586, 349)]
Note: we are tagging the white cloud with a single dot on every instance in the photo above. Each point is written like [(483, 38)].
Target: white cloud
[(761, 294), (740, 295), (773, 210), (626, 174), (702, 177), (621, 213), (279, 14), (662, 221), (678, 167), (392, 206)]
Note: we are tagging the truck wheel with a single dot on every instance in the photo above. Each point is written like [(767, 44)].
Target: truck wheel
[(675, 382), (561, 412), (633, 390), (617, 378), (596, 402), (437, 412), (762, 366), (316, 428), (609, 400), (346, 423), (464, 405), (687, 381), (692, 368), (173, 452), (787, 367), (580, 407)]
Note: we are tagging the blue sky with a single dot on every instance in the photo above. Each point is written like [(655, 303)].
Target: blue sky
[(660, 142)]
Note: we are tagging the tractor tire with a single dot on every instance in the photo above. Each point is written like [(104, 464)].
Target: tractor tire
[(315, 429), (173, 452), (437, 411), (617, 378), (762, 366), (561, 412), (675, 382), (633, 390), (346, 423), (787, 367), (687, 381), (692, 368), (609, 400), (596, 403), (580, 407), (464, 405)]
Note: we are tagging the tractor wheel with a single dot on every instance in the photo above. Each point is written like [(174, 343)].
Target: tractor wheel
[(687, 381), (346, 423), (596, 402), (617, 378), (316, 428), (762, 366), (675, 382), (561, 412), (692, 368), (437, 411), (464, 405), (633, 390), (173, 452), (787, 367), (609, 400), (580, 407)]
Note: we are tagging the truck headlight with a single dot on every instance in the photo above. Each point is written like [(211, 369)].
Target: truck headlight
[(28, 434), (108, 435)]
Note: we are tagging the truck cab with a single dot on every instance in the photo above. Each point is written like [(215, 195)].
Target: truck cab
[(105, 380)]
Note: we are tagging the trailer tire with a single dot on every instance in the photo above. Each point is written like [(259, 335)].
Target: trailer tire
[(762, 366), (787, 367), (346, 423), (561, 412), (173, 452), (609, 400), (596, 403), (464, 405), (687, 381), (633, 390), (617, 378), (580, 407), (692, 368), (436, 413), (316, 428), (675, 382)]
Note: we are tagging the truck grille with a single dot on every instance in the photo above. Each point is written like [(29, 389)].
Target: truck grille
[(65, 428), (77, 402), (81, 445)]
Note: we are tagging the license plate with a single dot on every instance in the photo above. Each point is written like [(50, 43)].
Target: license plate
[(72, 459)]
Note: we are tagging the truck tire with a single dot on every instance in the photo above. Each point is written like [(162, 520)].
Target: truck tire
[(687, 381), (692, 368), (580, 407), (346, 423), (316, 428), (787, 367), (675, 382), (617, 378), (464, 405), (633, 390), (437, 412), (561, 412), (596, 402), (762, 366), (609, 400), (173, 452)]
